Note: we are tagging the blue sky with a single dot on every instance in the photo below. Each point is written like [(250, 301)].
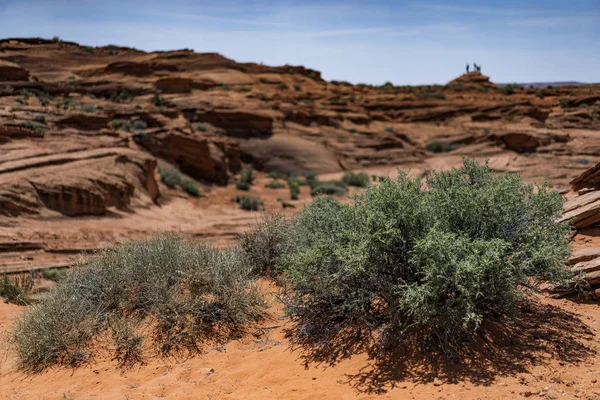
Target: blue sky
[(405, 42)]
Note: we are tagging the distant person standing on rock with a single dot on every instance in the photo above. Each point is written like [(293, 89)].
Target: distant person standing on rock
[(467, 68), (474, 67)]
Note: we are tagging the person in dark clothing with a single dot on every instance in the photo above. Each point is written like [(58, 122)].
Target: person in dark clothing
[(467, 68)]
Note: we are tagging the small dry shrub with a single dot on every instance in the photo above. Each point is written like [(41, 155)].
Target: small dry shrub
[(16, 288), (189, 293), (265, 242)]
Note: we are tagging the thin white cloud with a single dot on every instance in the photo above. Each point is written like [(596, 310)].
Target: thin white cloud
[(491, 10), (388, 30), (551, 22), (236, 21)]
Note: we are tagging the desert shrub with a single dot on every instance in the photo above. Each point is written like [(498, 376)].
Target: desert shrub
[(190, 186), (266, 242), (126, 339), (437, 146), (250, 203), (360, 179), (54, 274), (294, 187), (200, 127), (246, 179), (22, 101), (404, 264), (283, 86), (389, 129), (310, 176), (275, 185), (34, 126), (188, 294), (40, 119), (89, 108), (582, 161), (139, 125), (331, 187), (510, 88), (158, 100), (285, 204), (122, 96), (16, 288), (170, 176), (120, 124), (564, 103)]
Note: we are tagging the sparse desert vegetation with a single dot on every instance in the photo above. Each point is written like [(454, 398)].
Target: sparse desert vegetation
[(187, 294), (370, 269)]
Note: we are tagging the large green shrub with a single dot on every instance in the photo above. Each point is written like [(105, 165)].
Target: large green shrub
[(186, 294), (435, 259)]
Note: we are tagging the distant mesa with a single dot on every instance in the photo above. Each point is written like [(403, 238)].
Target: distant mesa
[(472, 81)]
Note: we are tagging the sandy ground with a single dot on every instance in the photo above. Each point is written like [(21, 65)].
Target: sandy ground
[(549, 353)]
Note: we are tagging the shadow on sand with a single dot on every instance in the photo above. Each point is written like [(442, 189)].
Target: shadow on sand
[(506, 347)]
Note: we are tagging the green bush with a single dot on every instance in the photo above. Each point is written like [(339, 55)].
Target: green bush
[(332, 188), (403, 264), (120, 124), (250, 203), (265, 243), (34, 126), (41, 119), (510, 88), (89, 108), (360, 179), (294, 189), (122, 96), (437, 146), (275, 185), (170, 176), (564, 103), (54, 274), (158, 100), (200, 127), (190, 186), (187, 295), (246, 179)]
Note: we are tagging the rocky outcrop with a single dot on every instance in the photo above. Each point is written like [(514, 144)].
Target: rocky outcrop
[(84, 184), (589, 179), (472, 81), (84, 122), (12, 72), (529, 141), (239, 124), (286, 153), (583, 211), (205, 159)]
